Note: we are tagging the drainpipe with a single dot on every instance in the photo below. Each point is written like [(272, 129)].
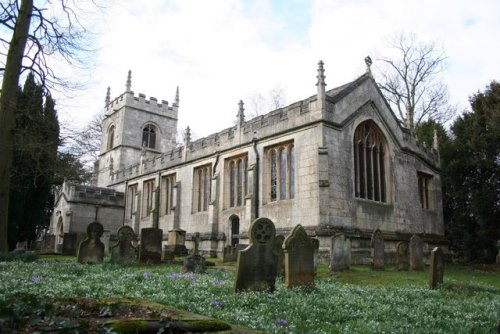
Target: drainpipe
[(256, 177), (125, 203)]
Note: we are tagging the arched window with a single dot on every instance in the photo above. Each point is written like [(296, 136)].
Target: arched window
[(370, 162), (149, 136), (281, 172), (111, 137), (201, 188), (236, 184)]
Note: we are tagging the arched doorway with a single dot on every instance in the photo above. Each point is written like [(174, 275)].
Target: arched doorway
[(235, 230)]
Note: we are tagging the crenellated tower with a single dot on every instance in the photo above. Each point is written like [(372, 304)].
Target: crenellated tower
[(133, 126)]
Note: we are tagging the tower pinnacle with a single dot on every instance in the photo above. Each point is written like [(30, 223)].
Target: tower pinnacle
[(176, 100), (241, 113), (321, 87), (321, 75), (128, 85), (108, 97)]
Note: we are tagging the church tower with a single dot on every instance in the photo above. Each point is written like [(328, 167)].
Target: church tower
[(133, 127)]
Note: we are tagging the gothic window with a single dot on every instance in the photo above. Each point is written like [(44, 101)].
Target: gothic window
[(201, 188), (424, 190), (236, 184), (111, 137), (370, 162), (131, 200), (167, 194), (147, 197), (281, 171), (149, 136)]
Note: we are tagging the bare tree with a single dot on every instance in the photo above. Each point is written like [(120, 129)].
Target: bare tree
[(259, 105), (85, 144), (410, 81)]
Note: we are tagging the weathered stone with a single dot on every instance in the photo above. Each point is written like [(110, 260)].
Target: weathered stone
[(124, 251), (377, 245), (256, 267), (70, 245), (91, 250), (278, 247), (416, 253), (177, 242), (436, 271), (195, 262), (299, 258), (402, 257), (150, 247), (340, 257), (315, 243)]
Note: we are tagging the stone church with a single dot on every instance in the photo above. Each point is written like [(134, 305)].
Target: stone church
[(335, 162)]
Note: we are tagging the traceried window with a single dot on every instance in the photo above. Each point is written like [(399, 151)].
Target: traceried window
[(131, 200), (237, 180), (111, 137), (201, 188), (149, 136), (167, 194), (370, 150), (147, 197), (424, 190), (281, 171)]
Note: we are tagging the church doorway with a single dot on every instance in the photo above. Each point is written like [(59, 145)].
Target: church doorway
[(235, 231)]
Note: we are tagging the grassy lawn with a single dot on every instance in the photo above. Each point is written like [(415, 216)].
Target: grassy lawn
[(355, 301)]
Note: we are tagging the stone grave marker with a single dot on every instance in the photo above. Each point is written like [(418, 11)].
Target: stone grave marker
[(436, 271), (195, 262), (402, 256), (69, 246), (150, 247), (416, 253), (340, 253), (124, 251), (91, 250), (280, 262), (377, 245), (106, 237), (315, 243), (177, 242), (229, 253), (299, 258), (256, 266)]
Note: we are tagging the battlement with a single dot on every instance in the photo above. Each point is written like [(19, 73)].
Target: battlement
[(142, 103), (91, 194)]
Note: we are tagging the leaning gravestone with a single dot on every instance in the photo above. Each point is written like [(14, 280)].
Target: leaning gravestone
[(278, 247), (150, 247), (256, 266), (70, 245), (377, 245), (402, 257), (124, 251), (299, 258), (416, 253), (340, 253), (436, 271), (91, 250), (195, 262)]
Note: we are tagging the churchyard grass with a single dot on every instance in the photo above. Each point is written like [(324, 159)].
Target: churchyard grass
[(357, 301)]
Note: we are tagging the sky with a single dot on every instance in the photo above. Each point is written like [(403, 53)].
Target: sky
[(220, 51)]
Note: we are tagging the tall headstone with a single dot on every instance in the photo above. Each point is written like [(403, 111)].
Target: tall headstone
[(416, 253), (299, 258), (340, 253), (70, 245), (402, 257), (91, 250), (195, 262), (256, 266), (124, 251), (278, 247), (150, 247), (436, 271), (377, 245)]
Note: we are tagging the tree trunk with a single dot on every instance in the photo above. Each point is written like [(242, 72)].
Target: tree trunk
[(8, 101)]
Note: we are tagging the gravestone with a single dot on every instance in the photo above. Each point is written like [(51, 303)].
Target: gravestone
[(150, 247), (340, 253), (416, 253), (315, 243), (278, 248), (229, 253), (195, 262), (402, 257), (377, 245), (176, 242), (256, 266), (106, 236), (124, 251), (436, 271), (70, 245), (299, 258), (91, 250)]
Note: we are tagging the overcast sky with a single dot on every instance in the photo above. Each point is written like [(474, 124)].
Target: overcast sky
[(221, 51)]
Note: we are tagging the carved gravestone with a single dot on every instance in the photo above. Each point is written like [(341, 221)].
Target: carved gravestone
[(377, 248), (436, 271), (402, 257), (150, 247), (195, 262), (340, 257), (299, 258), (416, 253), (256, 266), (91, 250), (278, 247), (124, 251), (70, 245)]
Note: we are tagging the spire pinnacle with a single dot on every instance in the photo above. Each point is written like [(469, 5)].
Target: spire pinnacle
[(368, 62), (435, 142), (321, 75), (176, 100), (187, 136), (241, 113), (108, 97), (128, 85)]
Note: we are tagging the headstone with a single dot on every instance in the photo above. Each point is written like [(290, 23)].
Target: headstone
[(315, 243), (402, 257), (229, 254), (106, 236), (278, 248), (91, 250), (256, 266), (176, 242), (168, 254), (124, 251), (70, 245), (377, 245), (150, 246), (194, 262), (299, 258), (416, 253), (340, 257), (436, 271)]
